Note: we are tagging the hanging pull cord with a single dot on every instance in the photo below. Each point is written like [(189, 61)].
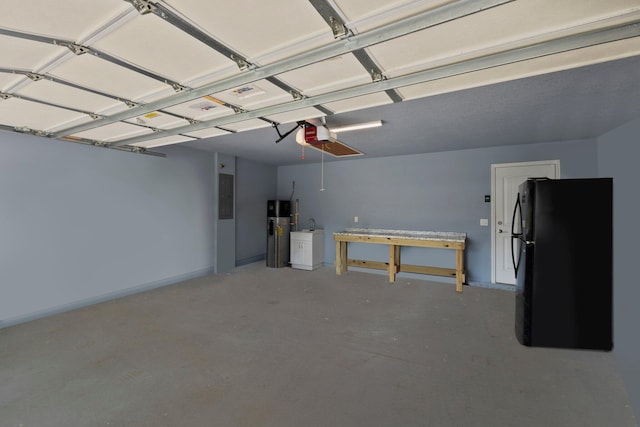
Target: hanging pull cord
[(322, 172)]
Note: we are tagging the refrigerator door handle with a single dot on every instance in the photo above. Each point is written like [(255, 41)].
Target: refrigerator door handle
[(515, 235), (517, 207), (513, 258)]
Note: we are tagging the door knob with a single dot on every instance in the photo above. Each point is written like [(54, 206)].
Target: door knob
[(500, 230)]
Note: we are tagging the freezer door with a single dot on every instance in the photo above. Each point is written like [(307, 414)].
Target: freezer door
[(571, 299)]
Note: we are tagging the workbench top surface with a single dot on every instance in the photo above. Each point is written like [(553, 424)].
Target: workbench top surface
[(448, 236)]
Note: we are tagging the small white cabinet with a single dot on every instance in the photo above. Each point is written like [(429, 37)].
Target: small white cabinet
[(307, 249)]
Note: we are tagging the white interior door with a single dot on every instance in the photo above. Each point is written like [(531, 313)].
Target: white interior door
[(506, 178)]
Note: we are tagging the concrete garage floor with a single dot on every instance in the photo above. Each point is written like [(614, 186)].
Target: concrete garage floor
[(283, 347)]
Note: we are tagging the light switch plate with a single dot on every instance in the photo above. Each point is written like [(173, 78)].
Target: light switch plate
[(484, 222)]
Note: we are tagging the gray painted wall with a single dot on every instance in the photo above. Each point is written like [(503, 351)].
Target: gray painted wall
[(80, 224), (618, 156), (441, 191), (256, 183)]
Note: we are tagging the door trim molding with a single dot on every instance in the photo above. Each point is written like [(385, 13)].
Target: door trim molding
[(494, 167)]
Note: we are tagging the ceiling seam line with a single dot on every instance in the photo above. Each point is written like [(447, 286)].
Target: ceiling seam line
[(81, 50), (569, 43), (84, 141), (92, 114), (178, 116), (125, 148), (69, 84), (51, 104), (406, 26)]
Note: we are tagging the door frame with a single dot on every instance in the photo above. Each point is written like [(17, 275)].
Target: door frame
[(493, 201)]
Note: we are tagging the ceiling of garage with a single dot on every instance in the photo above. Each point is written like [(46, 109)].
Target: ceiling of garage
[(226, 76)]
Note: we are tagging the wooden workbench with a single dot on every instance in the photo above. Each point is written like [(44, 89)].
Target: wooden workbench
[(396, 239)]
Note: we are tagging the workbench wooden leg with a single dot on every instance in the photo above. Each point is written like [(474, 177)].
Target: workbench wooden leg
[(344, 254), (341, 257), (393, 262), (459, 269)]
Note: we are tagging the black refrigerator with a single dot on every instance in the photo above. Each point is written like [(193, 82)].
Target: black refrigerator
[(562, 254)]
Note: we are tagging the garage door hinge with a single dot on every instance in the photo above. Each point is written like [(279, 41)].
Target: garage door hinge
[(35, 76), (296, 95), (242, 63), (129, 104), (77, 48), (178, 87), (143, 6), (376, 76), (338, 28)]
